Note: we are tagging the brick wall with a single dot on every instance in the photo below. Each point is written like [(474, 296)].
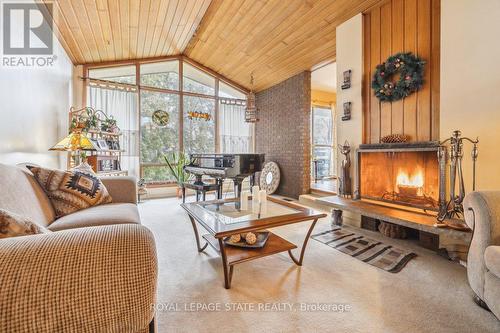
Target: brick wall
[(283, 132)]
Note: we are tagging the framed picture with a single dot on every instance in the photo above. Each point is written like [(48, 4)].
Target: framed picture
[(347, 79), (102, 144), (94, 143), (113, 144), (347, 111)]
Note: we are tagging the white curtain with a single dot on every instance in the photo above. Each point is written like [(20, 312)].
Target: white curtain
[(235, 133), (122, 105)]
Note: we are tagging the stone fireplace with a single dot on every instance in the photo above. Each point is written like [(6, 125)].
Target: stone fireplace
[(407, 174)]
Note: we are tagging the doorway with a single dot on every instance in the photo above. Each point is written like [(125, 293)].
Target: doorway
[(323, 143)]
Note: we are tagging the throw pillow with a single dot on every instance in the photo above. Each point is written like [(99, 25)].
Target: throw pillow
[(13, 225), (71, 191)]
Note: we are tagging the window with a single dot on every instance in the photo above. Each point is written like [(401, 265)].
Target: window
[(157, 141), (235, 133), (227, 91), (199, 133), (191, 107), (119, 74), (163, 75), (196, 81), (322, 140)]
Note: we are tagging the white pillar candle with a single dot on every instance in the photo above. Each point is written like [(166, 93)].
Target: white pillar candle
[(255, 193), (263, 196), (255, 206), (244, 200)]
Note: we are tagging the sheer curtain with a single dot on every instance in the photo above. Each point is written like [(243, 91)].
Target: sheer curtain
[(122, 105), (235, 133)]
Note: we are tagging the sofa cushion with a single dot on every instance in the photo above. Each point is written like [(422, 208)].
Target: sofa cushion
[(492, 259), (21, 194), (13, 225), (71, 191), (114, 213)]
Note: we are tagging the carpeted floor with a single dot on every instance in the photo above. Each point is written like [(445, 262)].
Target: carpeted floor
[(331, 292)]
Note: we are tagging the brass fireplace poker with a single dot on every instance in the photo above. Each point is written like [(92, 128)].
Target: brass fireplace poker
[(454, 206)]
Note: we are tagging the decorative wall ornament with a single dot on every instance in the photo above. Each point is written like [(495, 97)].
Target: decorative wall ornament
[(411, 71), (347, 111), (345, 183), (270, 177), (199, 115), (160, 118), (395, 138), (347, 79), (251, 109)]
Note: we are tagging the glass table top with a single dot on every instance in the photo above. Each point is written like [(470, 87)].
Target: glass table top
[(230, 212)]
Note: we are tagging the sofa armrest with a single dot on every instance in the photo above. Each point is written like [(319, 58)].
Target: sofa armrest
[(482, 214), (121, 188), (98, 279), (492, 259)]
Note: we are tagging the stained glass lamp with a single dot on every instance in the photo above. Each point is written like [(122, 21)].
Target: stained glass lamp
[(76, 141), (73, 142)]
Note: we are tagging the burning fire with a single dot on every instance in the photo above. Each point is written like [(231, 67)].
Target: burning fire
[(412, 185)]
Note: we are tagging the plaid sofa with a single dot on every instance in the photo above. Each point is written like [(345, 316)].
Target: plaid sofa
[(96, 273)]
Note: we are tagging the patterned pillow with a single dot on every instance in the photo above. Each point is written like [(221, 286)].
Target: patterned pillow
[(71, 191), (13, 225)]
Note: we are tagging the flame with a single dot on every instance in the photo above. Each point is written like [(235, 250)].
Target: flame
[(416, 180)]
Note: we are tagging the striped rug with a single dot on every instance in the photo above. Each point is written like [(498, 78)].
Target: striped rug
[(371, 251)]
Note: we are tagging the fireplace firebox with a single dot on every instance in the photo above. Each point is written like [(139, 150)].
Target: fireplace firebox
[(408, 174)]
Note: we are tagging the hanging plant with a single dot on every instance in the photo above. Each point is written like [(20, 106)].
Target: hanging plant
[(199, 115), (411, 71)]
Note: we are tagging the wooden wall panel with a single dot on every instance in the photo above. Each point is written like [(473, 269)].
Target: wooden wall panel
[(385, 52), (410, 45), (375, 59), (402, 26)]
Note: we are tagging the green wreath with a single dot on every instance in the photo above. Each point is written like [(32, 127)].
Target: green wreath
[(411, 71)]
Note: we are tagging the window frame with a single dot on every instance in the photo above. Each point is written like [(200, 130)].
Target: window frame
[(332, 147), (138, 88)]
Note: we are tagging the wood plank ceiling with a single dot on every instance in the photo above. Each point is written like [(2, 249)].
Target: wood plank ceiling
[(273, 39), (93, 31)]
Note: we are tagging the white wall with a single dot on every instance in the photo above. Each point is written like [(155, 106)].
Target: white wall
[(350, 56), (34, 103), (470, 81)]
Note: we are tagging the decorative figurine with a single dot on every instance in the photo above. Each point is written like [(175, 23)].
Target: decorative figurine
[(345, 184)]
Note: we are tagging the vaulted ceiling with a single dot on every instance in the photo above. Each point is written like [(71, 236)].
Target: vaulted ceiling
[(273, 39), (93, 31)]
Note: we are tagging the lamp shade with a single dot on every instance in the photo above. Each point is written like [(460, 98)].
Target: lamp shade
[(74, 141)]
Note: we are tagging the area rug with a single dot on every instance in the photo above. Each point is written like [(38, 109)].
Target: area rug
[(371, 251)]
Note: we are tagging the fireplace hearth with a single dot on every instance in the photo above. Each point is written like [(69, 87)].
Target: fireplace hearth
[(407, 174)]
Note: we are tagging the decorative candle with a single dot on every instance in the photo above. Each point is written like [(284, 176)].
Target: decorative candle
[(256, 206), (255, 191), (263, 196), (263, 201), (244, 200)]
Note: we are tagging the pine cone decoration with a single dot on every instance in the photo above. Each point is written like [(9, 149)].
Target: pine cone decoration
[(395, 138)]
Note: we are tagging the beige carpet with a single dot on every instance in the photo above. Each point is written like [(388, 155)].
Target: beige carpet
[(430, 295)]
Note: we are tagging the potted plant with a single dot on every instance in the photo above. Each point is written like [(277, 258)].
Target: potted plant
[(175, 163), (109, 125)]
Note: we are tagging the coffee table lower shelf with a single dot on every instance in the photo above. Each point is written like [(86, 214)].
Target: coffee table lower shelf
[(236, 255)]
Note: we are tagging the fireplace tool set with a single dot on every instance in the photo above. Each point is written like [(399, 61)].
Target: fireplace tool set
[(453, 208)]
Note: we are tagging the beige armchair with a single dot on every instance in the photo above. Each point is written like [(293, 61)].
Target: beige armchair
[(482, 214)]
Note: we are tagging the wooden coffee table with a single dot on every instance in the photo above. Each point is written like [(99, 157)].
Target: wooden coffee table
[(223, 218)]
